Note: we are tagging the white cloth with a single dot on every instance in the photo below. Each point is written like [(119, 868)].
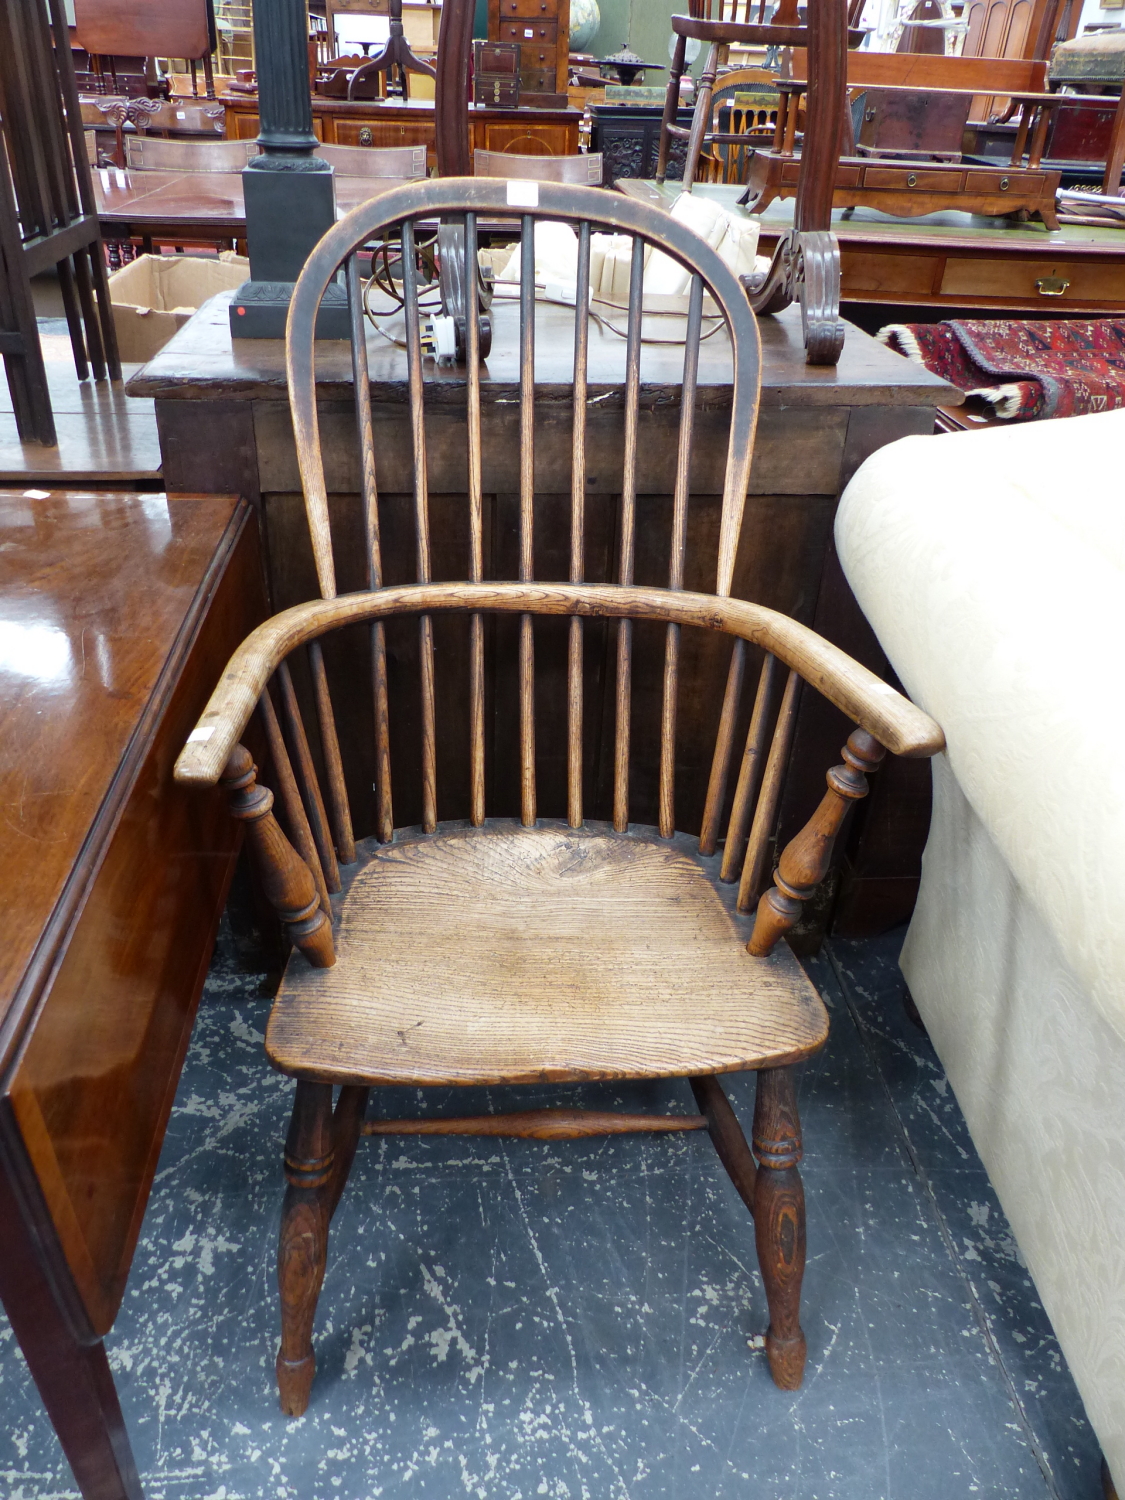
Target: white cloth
[(1040, 1077), (992, 567)]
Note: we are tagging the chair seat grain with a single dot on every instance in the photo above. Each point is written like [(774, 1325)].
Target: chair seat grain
[(503, 954)]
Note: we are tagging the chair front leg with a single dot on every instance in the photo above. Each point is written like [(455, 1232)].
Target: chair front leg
[(303, 1246), (805, 861), (779, 1222)]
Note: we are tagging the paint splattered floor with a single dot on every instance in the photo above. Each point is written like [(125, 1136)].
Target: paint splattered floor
[(509, 1320)]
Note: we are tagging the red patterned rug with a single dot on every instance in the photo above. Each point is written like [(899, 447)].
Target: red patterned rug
[(1020, 371)]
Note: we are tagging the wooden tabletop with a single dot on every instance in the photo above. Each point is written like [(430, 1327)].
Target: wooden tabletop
[(201, 200), (94, 593), (866, 226), (202, 362)]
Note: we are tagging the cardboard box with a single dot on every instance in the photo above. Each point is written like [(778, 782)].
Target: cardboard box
[(155, 295)]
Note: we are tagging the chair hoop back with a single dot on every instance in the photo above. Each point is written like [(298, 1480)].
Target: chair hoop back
[(470, 199)]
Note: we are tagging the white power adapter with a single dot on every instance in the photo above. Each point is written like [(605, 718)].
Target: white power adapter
[(439, 336)]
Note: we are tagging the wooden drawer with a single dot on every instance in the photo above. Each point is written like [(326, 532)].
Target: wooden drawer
[(912, 177), (847, 176), (382, 133), (538, 80), (888, 277), (1006, 182), (548, 9), (1052, 283), (526, 137), (529, 33)]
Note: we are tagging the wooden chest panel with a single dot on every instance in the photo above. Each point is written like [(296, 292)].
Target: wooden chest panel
[(904, 277)]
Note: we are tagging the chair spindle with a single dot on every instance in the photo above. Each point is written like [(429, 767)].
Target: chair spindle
[(384, 817), (724, 746), (578, 526), (667, 815), (750, 771), (628, 535), (421, 523), (295, 815), (765, 814), (527, 517), (307, 777), (338, 806), (476, 525)]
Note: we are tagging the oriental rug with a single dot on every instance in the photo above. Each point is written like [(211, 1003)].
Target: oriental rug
[(1020, 371)]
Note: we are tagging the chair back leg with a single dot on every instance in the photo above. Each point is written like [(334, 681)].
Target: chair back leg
[(671, 106)]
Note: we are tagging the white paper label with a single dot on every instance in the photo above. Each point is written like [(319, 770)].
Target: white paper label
[(200, 736), (181, 114), (36, 494), (523, 194), (529, 32)]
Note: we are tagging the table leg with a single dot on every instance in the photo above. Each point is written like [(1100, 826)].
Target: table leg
[(73, 1376)]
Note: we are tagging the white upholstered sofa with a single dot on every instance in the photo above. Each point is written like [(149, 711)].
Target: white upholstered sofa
[(991, 565)]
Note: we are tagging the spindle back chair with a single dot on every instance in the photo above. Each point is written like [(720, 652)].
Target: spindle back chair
[(744, 109), (498, 951)]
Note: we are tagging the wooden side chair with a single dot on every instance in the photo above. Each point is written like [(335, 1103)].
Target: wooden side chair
[(154, 154), (375, 161), (545, 948), (585, 168)]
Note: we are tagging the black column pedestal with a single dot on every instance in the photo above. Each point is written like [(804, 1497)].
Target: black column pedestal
[(289, 191), (290, 204)]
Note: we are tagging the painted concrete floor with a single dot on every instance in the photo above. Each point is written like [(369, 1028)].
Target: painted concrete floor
[(582, 1321)]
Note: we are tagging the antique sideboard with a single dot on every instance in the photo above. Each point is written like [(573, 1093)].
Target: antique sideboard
[(397, 122)]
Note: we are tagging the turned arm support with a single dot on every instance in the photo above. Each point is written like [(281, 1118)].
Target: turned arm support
[(805, 860), (286, 879)]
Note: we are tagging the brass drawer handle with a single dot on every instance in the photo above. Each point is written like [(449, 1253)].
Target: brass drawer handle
[(1005, 184), (912, 180), (365, 136), (1051, 286)]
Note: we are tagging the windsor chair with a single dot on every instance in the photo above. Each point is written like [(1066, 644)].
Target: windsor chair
[(547, 946), (806, 261), (744, 108)]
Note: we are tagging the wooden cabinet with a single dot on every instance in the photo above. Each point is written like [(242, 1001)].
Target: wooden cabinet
[(373, 122), (541, 28)]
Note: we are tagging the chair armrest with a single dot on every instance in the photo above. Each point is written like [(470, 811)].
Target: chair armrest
[(885, 714)]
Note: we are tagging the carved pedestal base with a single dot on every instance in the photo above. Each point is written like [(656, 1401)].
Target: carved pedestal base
[(805, 269)]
